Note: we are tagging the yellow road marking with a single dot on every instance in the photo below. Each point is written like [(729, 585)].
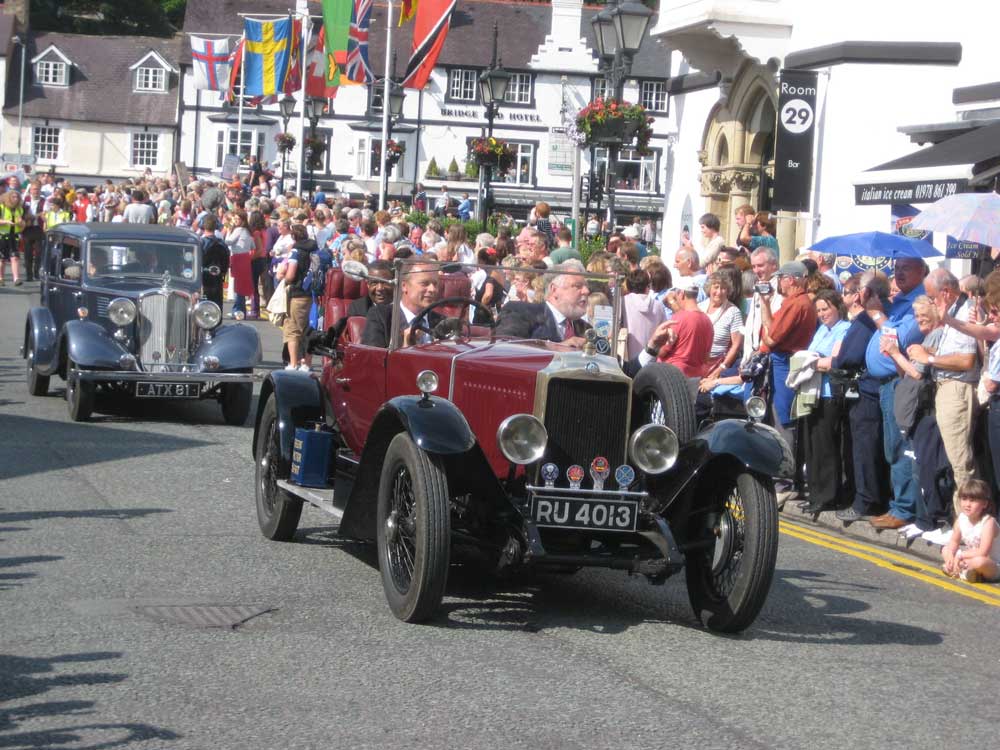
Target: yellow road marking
[(884, 559)]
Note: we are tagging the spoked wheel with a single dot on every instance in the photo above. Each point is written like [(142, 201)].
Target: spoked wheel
[(730, 579), (413, 530), (663, 396), (277, 512), (38, 385), (79, 395)]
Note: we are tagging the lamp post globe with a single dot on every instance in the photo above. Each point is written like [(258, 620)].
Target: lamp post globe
[(630, 20)]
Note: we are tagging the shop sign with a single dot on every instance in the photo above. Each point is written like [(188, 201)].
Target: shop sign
[(793, 151), (917, 191), (475, 114)]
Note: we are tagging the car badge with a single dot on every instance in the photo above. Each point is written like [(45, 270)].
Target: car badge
[(575, 475), (550, 473), (156, 356), (599, 470), (602, 345), (593, 368), (624, 475), (166, 279)]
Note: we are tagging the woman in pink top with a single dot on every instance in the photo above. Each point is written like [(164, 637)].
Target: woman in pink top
[(643, 312)]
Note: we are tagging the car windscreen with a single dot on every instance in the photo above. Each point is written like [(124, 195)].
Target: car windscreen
[(141, 258)]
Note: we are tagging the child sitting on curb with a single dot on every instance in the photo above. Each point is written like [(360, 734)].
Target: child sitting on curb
[(973, 552)]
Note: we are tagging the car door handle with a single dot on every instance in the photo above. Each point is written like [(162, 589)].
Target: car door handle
[(342, 381)]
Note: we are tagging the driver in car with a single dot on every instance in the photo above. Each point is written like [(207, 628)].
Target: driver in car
[(559, 318), (419, 290)]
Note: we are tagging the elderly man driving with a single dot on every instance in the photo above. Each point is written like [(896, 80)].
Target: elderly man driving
[(559, 318)]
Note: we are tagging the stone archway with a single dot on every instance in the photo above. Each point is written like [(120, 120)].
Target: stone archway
[(737, 153)]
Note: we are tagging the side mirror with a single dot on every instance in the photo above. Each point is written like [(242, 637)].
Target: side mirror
[(359, 272)]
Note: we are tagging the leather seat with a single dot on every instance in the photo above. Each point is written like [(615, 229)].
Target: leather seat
[(355, 328), (454, 285), (338, 293)]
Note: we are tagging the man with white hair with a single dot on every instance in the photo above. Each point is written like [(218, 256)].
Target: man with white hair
[(827, 263), (688, 266), (559, 318)]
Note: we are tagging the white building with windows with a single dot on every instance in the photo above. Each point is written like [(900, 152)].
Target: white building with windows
[(94, 107)]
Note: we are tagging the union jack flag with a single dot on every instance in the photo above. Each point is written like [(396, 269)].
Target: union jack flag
[(357, 67)]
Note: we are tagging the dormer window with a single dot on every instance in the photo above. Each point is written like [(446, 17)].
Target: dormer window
[(52, 73), (151, 79)]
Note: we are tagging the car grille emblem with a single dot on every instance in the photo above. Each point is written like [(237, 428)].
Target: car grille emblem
[(156, 356), (575, 475), (599, 470)]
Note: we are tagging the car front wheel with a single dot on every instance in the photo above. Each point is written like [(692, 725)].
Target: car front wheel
[(729, 578), (38, 385), (79, 395), (413, 530), (277, 512)]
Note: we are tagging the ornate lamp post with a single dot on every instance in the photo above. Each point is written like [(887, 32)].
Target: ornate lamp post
[(287, 107), (619, 30), (396, 95), (493, 84), (314, 110)]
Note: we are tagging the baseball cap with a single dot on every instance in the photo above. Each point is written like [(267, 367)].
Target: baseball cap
[(688, 284), (794, 268)]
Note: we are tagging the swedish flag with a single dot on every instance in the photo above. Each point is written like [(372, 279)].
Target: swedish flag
[(266, 54)]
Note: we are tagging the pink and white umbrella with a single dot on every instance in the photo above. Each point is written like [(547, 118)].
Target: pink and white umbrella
[(970, 217)]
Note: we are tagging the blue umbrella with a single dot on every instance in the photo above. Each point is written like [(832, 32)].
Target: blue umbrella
[(877, 245)]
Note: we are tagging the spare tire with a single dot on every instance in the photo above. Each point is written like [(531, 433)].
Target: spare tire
[(661, 395)]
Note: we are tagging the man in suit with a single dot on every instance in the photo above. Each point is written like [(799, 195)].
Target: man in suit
[(419, 289), (379, 292), (559, 318)]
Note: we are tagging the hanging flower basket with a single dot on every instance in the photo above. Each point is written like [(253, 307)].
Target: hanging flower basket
[(394, 152), (492, 152), (611, 122), (285, 142)]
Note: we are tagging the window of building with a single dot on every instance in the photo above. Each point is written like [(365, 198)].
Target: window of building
[(634, 172), (462, 84), (45, 143), (145, 149), (523, 172), (519, 89), (151, 79), (369, 162), (602, 88), (226, 142), (51, 73), (653, 95)]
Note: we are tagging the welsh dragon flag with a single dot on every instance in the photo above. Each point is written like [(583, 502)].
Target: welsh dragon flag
[(336, 30)]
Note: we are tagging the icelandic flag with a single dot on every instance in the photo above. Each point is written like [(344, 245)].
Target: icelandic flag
[(267, 50), (357, 68), (210, 59)]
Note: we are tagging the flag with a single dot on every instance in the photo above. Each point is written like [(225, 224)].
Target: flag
[(210, 58), (317, 82), (429, 32), (293, 80), (337, 16), (235, 61), (407, 10), (267, 50), (357, 68)]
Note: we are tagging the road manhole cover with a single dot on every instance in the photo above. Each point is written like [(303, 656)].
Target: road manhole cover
[(228, 616)]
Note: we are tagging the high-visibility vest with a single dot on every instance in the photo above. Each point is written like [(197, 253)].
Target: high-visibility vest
[(54, 218), (14, 217)]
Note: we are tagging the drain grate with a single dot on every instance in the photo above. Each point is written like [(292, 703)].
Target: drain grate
[(202, 615)]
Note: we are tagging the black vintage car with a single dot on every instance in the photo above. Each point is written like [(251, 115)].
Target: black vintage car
[(122, 314)]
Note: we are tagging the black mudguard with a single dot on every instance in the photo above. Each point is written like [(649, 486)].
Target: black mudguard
[(236, 346), (40, 328), (299, 400), (89, 345)]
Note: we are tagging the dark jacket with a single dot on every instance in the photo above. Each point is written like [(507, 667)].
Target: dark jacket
[(531, 320), (302, 255), (214, 254), (378, 325), (360, 307)]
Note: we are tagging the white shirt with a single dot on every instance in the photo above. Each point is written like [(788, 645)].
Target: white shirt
[(954, 341), (560, 320)]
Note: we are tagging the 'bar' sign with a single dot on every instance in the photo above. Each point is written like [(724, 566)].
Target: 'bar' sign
[(793, 152)]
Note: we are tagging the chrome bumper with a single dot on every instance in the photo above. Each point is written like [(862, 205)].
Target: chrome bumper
[(166, 377)]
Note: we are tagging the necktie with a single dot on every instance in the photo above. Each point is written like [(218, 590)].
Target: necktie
[(568, 331)]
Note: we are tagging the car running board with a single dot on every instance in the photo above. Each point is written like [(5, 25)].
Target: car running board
[(322, 499)]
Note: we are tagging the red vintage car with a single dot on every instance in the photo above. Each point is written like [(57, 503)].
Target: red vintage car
[(530, 452)]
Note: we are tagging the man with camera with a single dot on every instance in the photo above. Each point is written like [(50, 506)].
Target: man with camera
[(764, 263)]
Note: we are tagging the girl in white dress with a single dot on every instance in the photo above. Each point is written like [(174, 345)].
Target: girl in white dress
[(973, 552)]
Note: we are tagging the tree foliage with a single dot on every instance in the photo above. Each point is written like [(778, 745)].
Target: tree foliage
[(140, 17)]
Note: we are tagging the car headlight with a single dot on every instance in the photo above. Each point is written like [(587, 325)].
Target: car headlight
[(756, 407), (427, 382), (654, 448), (207, 315), (522, 438), (121, 311)]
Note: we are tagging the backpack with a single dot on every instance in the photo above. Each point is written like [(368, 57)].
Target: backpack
[(320, 261)]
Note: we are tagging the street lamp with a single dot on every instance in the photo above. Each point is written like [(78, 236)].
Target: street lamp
[(619, 30), (287, 107), (315, 107), (493, 84), (18, 40), (393, 96)]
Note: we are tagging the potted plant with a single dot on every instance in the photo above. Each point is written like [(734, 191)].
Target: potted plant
[(492, 152), (453, 173), (613, 122), (433, 170), (285, 142)]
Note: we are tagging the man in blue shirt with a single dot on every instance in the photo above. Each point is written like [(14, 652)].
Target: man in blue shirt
[(465, 208), (882, 375)]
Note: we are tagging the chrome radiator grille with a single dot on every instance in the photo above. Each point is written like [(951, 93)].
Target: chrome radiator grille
[(586, 419), (164, 331)]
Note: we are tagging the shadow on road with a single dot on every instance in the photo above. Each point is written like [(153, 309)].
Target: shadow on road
[(44, 445), (26, 677)]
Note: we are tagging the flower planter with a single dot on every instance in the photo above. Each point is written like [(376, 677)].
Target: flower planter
[(612, 130)]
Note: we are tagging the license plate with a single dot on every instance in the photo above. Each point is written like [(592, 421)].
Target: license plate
[(167, 390), (579, 513)]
